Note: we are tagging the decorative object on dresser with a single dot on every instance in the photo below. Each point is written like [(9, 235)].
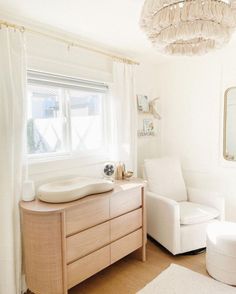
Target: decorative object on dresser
[(128, 174), (121, 173), (109, 170), (28, 191), (66, 243), (120, 169)]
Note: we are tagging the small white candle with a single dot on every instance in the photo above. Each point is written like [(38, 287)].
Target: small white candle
[(28, 191)]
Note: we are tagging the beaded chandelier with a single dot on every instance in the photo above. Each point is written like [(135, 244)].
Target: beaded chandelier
[(189, 27)]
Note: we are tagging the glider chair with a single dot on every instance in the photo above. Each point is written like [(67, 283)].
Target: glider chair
[(177, 217)]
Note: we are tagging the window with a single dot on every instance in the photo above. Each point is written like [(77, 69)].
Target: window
[(65, 115)]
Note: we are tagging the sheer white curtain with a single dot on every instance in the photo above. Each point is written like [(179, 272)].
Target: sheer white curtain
[(12, 140), (124, 115)]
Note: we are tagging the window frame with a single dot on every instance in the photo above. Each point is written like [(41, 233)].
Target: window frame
[(98, 154)]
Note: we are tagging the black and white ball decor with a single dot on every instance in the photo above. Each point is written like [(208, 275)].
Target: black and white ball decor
[(109, 169)]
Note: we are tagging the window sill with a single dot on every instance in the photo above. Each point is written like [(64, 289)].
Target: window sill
[(64, 162)]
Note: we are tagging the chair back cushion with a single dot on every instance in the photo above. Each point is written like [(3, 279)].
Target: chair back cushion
[(164, 176)]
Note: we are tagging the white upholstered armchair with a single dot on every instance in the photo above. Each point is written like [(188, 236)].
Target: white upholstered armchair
[(177, 217)]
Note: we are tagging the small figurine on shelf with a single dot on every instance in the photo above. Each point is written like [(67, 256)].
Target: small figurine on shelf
[(153, 108)]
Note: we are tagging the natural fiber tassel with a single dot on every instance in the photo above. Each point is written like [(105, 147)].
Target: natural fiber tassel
[(172, 26)]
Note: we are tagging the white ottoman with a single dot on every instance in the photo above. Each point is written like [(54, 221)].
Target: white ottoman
[(221, 252)]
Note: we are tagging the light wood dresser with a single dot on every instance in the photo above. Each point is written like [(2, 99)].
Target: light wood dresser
[(66, 243)]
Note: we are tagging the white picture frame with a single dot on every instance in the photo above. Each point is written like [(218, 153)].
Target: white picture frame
[(148, 125), (143, 103)]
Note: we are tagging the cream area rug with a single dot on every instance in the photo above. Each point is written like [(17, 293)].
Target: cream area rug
[(180, 280)]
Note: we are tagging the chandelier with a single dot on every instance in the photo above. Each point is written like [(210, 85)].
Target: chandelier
[(188, 27)]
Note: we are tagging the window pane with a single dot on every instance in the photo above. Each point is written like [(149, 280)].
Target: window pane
[(86, 120), (45, 120)]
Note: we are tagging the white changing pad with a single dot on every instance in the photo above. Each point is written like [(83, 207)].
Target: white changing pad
[(72, 189)]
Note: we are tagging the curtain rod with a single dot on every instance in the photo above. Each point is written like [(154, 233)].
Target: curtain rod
[(72, 43)]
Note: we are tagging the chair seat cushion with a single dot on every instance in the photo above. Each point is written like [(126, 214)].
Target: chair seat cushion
[(194, 213)]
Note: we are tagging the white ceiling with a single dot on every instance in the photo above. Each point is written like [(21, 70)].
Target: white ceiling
[(112, 23)]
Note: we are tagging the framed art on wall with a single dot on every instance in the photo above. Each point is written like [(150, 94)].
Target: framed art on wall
[(148, 125), (143, 103)]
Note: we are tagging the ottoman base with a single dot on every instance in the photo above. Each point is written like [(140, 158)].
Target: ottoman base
[(221, 252)]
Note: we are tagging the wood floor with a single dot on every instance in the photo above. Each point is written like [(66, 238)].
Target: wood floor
[(130, 275)]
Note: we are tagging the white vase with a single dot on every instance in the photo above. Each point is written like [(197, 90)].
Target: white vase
[(28, 191)]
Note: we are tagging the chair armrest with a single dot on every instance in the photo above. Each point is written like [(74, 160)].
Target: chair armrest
[(164, 200), (163, 221), (209, 198)]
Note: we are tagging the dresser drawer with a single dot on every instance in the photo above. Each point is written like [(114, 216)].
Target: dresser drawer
[(87, 241), (126, 245), (125, 201), (126, 224), (89, 213), (87, 266)]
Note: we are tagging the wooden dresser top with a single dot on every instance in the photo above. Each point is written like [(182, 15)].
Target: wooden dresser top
[(38, 206)]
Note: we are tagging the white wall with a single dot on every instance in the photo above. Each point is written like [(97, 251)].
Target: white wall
[(191, 91), (146, 84), (51, 56)]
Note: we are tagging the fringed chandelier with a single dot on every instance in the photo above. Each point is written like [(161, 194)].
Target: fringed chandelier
[(189, 27)]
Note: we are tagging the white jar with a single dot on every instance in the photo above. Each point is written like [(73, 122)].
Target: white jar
[(28, 191)]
